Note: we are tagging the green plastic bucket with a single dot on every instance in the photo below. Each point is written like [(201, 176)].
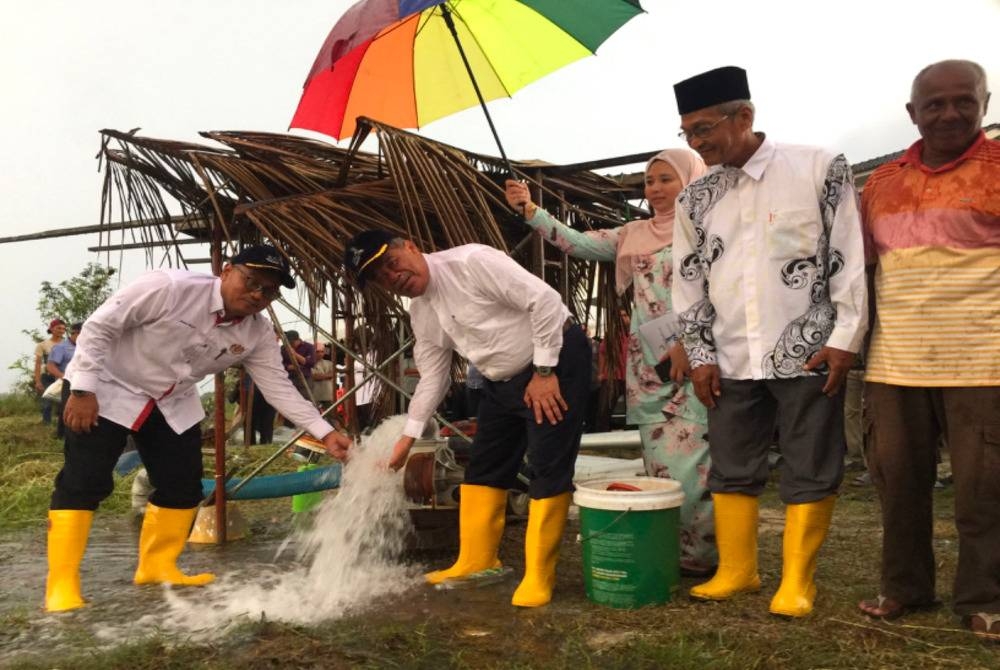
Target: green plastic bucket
[(303, 502), (631, 541)]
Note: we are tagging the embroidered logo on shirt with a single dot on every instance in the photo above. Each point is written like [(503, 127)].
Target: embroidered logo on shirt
[(236, 349)]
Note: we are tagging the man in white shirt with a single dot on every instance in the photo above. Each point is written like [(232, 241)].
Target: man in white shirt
[(135, 372), (322, 377), (511, 325), (770, 289)]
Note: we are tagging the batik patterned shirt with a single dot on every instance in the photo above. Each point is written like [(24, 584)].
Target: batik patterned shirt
[(770, 263), (648, 398)]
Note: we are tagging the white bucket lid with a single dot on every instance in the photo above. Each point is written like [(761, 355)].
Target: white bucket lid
[(653, 493)]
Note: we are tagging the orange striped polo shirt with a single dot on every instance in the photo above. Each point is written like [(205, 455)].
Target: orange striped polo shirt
[(935, 233)]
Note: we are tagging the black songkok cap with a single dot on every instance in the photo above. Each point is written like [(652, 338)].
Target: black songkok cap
[(711, 88)]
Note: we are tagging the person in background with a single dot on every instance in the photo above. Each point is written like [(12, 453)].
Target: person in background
[(262, 413), (769, 286), (932, 224), (322, 377), (671, 420), (365, 396), (475, 300), (56, 331), (60, 357), (305, 359), (135, 372)]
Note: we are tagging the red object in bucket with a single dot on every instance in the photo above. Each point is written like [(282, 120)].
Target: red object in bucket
[(622, 486)]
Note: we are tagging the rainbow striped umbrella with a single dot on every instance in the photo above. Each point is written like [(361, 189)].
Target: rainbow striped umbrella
[(409, 62)]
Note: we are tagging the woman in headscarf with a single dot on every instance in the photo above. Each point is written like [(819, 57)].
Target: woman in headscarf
[(671, 420)]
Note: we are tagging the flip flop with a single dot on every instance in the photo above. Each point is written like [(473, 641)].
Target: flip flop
[(985, 626), (887, 609)]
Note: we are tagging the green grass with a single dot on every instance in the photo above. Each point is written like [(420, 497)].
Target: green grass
[(480, 630)]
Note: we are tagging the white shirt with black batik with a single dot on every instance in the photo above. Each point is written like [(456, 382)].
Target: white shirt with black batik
[(770, 263), (482, 304)]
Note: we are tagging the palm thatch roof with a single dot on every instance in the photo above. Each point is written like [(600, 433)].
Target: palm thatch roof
[(308, 198)]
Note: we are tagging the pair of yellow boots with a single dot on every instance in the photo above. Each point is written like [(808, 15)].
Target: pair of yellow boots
[(480, 526), (164, 532), (736, 519)]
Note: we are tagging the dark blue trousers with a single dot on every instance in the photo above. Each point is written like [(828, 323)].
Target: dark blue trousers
[(507, 432)]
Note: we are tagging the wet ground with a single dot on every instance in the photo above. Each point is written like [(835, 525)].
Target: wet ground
[(117, 610), (106, 575)]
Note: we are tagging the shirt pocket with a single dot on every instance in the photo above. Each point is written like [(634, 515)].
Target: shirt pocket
[(792, 233)]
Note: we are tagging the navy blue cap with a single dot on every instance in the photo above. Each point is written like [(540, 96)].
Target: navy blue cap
[(364, 249), (265, 257)]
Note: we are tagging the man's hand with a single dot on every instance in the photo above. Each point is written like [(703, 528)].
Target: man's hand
[(543, 396), (80, 414), (39, 386), (336, 444), (838, 362), (679, 366), (401, 451), (706, 384)]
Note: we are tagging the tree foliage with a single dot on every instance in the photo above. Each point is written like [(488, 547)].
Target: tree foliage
[(71, 300), (74, 299)]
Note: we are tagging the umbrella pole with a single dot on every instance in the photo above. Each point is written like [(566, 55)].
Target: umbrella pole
[(446, 13)]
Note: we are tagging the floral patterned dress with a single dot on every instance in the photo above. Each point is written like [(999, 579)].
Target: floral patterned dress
[(672, 421)]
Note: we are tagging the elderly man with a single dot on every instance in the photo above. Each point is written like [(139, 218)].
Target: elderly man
[(511, 325), (135, 372), (770, 291), (932, 221)]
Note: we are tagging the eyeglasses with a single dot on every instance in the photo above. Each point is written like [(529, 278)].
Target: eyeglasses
[(701, 132), (254, 286)]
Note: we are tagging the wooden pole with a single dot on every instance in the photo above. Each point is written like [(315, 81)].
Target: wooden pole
[(220, 414)]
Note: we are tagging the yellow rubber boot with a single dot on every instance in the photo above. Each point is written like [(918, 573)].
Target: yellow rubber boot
[(736, 517), (546, 523), (164, 532), (68, 531), (481, 515), (806, 526)]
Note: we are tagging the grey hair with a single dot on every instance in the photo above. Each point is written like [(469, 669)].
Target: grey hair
[(975, 67), (734, 106)]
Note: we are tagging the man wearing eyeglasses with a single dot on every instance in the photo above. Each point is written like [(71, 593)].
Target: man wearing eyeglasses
[(135, 372), (770, 291)]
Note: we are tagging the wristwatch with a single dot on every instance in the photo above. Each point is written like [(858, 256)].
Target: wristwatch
[(79, 393), (544, 370)]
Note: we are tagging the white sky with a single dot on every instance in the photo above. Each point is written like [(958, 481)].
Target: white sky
[(835, 74)]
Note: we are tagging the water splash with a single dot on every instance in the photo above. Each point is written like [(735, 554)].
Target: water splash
[(350, 556)]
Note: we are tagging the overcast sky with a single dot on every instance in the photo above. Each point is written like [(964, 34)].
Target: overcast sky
[(834, 74)]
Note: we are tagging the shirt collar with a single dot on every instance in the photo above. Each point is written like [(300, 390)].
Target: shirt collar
[(754, 168), (218, 307), (432, 272), (916, 150)]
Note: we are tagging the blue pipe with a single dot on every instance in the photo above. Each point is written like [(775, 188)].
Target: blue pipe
[(281, 486)]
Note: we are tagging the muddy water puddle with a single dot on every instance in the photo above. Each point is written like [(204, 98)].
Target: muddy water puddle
[(117, 610)]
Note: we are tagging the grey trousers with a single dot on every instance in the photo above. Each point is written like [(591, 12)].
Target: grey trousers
[(905, 424), (810, 435)]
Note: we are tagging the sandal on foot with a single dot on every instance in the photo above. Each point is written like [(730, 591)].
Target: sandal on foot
[(887, 609), (985, 626)]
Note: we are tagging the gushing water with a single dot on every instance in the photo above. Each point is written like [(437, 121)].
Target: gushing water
[(349, 558)]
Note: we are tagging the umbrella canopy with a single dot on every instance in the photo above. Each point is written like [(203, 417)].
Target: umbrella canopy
[(396, 60)]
